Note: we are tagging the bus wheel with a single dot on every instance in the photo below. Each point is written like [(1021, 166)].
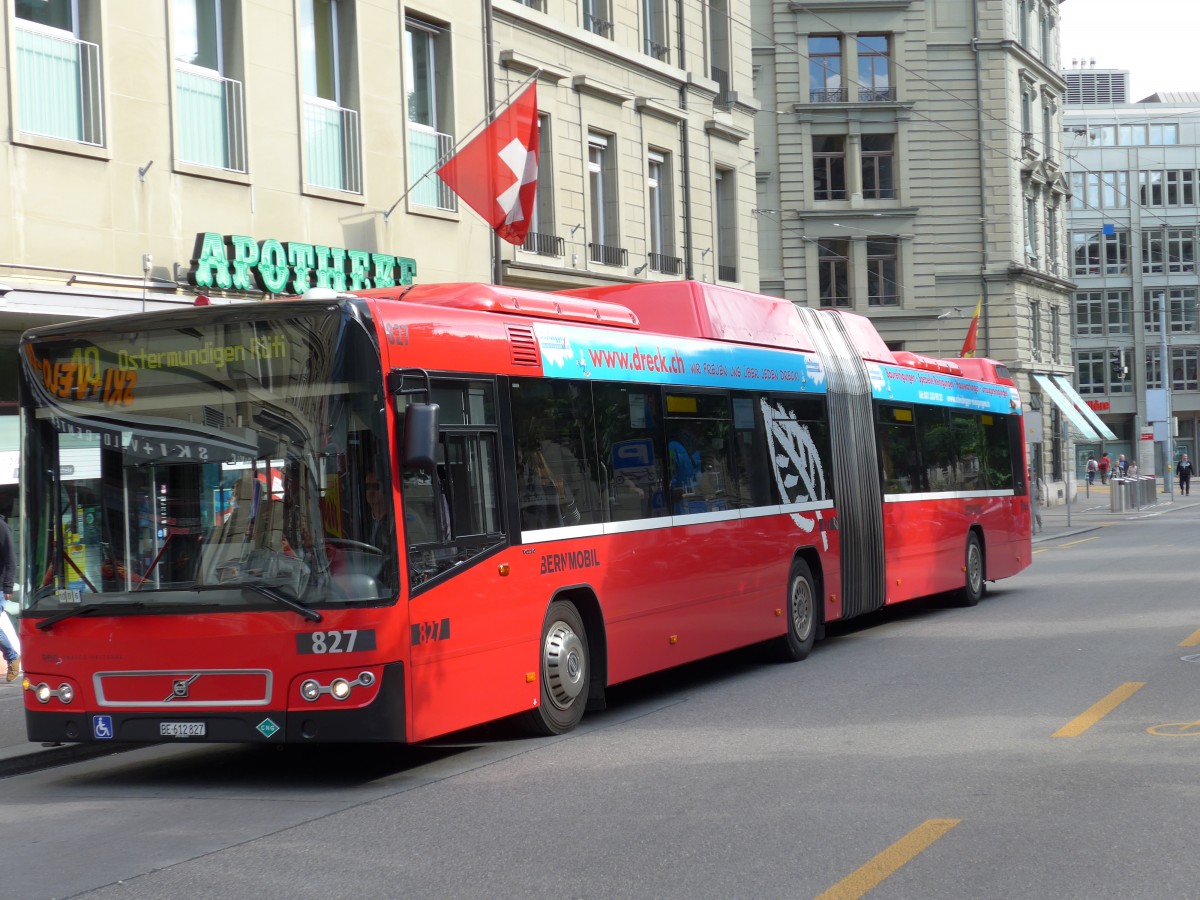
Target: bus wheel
[(972, 591), (801, 614), (565, 672)]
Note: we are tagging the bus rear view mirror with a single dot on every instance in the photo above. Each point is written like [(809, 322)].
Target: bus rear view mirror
[(420, 449)]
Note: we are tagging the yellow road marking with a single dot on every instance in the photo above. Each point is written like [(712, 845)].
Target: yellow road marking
[(1175, 729), (1073, 543), (890, 861), (1098, 711), (1193, 641)]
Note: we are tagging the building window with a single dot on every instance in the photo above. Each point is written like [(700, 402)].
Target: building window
[(655, 14), (1100, 313), (1181, 250), (210, 107), (661, 221), (829, 167), (1091, 371), (1153, 308), (59, 91), (883, 282), (1100, 253), (1055, 336), (542, 237), (878, 153), (1031, 241), (332, 152), (825, 69), (1181, 310), (1099, 190), (1023, 21), (726, 203), (427, 76), (720, 54), (1174, 187), (1052, 245), (874, 68), (833, 262), (597, 17), (1035, 328), (1153, 244), (1164, 134), (1118, 315), (1185, 368), (1153, 367), (1089, 313), (604, 247)]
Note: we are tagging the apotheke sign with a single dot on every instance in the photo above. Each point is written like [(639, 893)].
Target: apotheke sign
[(239, 263)]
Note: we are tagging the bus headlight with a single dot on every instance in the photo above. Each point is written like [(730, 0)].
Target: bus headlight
[(310, 690), (339, 689), (42, 692), (66, 693)]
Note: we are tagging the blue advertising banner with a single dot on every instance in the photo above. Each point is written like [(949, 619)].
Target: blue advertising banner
[(919, 386), (569, 352)]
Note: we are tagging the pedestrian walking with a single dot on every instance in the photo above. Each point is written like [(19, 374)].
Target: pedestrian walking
[(1183, 471), (9, 648), (1103, 464), (1122, 465), (1092, 468)]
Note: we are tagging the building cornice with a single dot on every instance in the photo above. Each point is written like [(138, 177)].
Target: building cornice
[(523, 62), (808, 6)]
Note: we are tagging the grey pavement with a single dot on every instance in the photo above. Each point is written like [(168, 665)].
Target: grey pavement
[(1092, 509)]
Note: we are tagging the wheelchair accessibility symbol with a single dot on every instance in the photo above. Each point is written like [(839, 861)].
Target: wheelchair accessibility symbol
[(102, 727)]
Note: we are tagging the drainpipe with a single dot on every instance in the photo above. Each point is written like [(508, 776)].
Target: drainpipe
[(983, 222), (686, 156), (490, 101)]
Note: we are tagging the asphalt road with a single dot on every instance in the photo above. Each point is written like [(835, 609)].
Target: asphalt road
[(1042, 744)]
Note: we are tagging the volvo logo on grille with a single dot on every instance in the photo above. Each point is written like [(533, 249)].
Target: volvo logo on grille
[(179, 688)]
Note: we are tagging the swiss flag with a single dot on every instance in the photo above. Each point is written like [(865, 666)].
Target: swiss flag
[(496, 173), (972, 331)]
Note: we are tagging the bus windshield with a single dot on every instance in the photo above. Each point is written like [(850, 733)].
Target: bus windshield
[(228, 459)]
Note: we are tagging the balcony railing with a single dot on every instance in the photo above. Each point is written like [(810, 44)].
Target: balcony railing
[(608, 256), (830, 95), (426, 150), (876, 94), (59, 90), (884, 300), (1027, 144), (659, 51), (597, 25), (332, 151), (835, 302), (727, 273), (667, 265), (211, 119), (544, 244)]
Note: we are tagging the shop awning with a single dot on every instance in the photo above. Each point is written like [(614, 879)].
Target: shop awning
[(1074, 407)]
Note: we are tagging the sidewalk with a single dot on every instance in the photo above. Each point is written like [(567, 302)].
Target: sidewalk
[(1092, 509)]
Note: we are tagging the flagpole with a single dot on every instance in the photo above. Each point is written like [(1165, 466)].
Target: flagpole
[(486, 120)]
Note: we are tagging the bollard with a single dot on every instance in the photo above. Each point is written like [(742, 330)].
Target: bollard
[(1116, 487)]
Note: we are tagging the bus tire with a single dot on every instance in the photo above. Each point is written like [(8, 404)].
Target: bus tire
[(802, 614), (973, 589), (565, 672)]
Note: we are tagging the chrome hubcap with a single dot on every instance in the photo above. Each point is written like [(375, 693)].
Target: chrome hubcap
[(563, 663), (802, 608), (974, 568)]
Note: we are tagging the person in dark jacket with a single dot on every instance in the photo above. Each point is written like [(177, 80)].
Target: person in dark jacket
[(1183, 472), (8, 574)]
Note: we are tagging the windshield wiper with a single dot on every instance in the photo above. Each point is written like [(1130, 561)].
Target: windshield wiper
[(87, 609), (266, 591)]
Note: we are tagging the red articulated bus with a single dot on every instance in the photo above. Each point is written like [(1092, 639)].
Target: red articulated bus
[(393, 515)]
